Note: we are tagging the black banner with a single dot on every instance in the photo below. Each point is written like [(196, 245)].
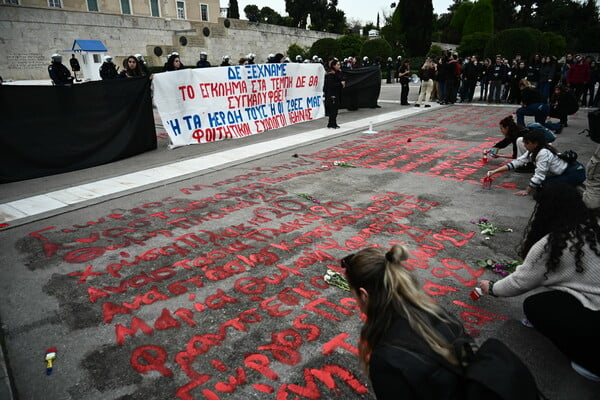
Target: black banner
[(54, 129), (362, 87)]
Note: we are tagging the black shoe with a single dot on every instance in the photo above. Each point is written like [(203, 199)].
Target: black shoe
[(427, 105), (558, 131), (405, 104), (417, 105), (529, 167)]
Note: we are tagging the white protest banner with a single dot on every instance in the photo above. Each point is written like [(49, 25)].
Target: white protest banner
[(208, 104)]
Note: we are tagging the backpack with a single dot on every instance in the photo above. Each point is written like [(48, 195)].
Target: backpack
[(547, 132), (425, 74), (495, 372), (569, 156)]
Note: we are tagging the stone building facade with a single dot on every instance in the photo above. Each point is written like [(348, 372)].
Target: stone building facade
[(32, 30)]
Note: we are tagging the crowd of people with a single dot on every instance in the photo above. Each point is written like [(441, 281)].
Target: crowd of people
[(499, 80)]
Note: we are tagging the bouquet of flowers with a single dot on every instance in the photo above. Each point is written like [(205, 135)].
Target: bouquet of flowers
[(487, 228), (336, 279)]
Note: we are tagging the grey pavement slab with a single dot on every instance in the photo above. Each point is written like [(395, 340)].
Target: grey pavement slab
[(212, 286)]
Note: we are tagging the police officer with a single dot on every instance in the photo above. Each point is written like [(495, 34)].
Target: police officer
[(142, 64), (108, 70), (59, 74), (203, 62), (250, 57), (225, 62), (298, 58)]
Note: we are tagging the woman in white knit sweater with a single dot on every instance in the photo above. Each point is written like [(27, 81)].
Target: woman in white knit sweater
[(561, 250), (549, 168)]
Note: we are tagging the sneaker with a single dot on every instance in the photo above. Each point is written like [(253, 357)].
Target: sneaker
[(525, 322), (529, 167), (427, 105), (584, 372)]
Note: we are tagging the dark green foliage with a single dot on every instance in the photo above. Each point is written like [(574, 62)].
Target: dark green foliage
[(376, 48), (270, 16), (350, 45), (252, 13), (524, 41), (295, 50), (435, 52), (460, 15), (325, 48), (474, 44), (324, 14), (480, 19), (234, 10), (556, 44), (415, 24)]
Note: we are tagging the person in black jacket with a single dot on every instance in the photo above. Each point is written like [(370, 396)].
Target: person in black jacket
[(404, 76), (108, 70), (332, 88), (406, 342), (75, 67), (498, 74), (59, 74), (532, 104), (513, 134)]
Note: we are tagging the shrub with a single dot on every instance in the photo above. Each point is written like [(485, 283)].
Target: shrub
[(295, 50), (376, 48), (325, 48), (350, 45), (556, 44), (474, 44), (435, 52), (524, 41)]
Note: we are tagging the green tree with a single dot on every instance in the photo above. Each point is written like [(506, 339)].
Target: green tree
[(252, 13), (504, 14), (555, 43), (325, 48), (454, 32), (324, 14), (474, 44), (350, 45), (415, 19), (480, 19), (234, 10), (270, 16), (376, 48)]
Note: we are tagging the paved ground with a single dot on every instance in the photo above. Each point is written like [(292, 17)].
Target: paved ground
[(206, 281)]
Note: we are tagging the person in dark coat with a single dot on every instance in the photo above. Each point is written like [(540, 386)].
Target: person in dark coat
[(332, 88), (108, 70), (203, 62), (532, 104), (75, 66), (406, 342), (59, 74), (142, 64), (404, 76)]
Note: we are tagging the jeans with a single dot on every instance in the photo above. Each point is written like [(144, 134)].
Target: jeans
[(538, 110), (572, 328), (573, 175)]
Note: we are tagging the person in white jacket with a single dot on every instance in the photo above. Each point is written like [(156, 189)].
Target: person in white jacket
[(549, 167), (561, 250)]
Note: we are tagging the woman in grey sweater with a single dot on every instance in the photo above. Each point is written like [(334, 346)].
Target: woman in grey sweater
[(561, 250)]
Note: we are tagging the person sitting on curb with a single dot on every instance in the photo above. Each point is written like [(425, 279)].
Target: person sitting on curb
[(561, 249), (549, 168)]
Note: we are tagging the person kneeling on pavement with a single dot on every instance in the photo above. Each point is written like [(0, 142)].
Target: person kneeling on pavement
[(561, 249), (548, 167)]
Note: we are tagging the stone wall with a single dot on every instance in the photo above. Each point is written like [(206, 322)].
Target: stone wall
[(28, 36)]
